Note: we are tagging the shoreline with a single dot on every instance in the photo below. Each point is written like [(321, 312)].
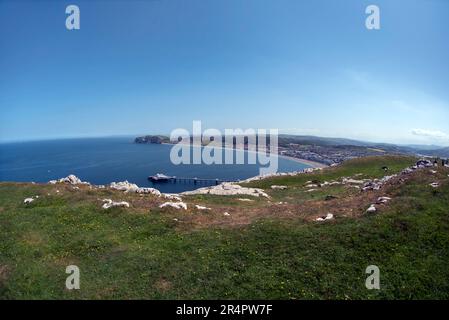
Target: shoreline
[(311, 163)]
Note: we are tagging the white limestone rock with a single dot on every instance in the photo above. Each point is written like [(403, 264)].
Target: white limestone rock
[(274, 187), (124, 186), (28, 200), (353, 181), (383, 199), (176, 205), (201, 207), (434, 184), (171, 196), (108, 203), (371, 209), (228, 189), (329, 216), (152, 191), (70, 179)]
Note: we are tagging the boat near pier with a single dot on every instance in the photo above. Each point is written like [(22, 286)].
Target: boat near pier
[(160, 177)]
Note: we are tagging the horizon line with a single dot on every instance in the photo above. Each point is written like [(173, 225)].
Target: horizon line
[(8, 141)]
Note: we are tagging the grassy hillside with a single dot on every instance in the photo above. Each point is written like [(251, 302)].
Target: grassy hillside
[(262, 250)]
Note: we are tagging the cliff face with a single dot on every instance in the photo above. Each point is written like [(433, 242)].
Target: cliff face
[(151, 139)]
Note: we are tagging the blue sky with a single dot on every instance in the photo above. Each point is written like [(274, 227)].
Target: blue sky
[(304, 67)]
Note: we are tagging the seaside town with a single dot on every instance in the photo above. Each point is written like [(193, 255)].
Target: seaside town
[(320, 150)]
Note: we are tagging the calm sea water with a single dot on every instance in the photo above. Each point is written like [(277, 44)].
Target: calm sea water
[(103, 160)]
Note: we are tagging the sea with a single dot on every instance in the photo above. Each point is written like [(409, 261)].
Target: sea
[(104, 160)]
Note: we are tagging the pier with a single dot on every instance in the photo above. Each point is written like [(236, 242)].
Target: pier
[(174, 179)]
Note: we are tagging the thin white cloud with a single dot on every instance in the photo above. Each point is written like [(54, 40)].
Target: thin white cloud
[(430, 133)]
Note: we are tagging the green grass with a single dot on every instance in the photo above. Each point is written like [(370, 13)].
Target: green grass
[(369, 167), (126, 254)]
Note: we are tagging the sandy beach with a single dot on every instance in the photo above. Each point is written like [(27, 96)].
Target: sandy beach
[(308, 162)]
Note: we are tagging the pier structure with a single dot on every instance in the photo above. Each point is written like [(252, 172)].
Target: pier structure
[(195, 180)]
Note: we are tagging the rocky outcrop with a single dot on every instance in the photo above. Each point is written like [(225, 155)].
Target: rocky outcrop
[(70, 179), (228, 189), (280, 174), (124, 186)]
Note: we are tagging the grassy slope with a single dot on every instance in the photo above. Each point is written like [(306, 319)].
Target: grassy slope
[(123, 253)]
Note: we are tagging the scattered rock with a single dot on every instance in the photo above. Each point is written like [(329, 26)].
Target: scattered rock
[(172, 196), (352, 181), (434, 184), (329, 216), (278, 187), (245, 200), (433, 171), (371, 209), (423, 163), (330, 197), (226, 214), (201, 207), (176, 205), (152, 191), (108, 203), (28, 200), (376, 184), (383, 200)]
